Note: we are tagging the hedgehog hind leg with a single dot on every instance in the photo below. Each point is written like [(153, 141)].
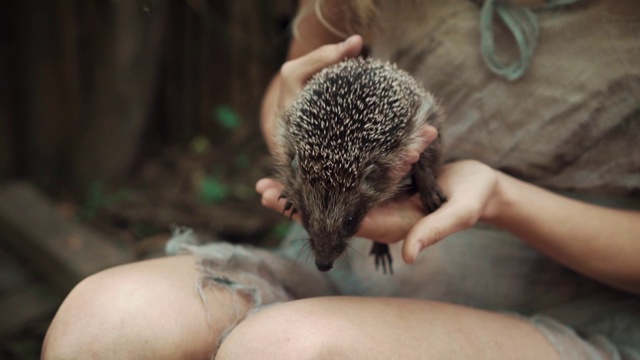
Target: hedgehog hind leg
[(425, 182), (382, 257)]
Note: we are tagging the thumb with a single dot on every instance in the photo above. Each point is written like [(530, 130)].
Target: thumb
[(295, 73), (448, 219)]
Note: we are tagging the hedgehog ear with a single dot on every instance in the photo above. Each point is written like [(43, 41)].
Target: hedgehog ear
[(424, 136)]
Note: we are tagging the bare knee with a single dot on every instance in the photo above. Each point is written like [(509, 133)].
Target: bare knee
[(295, 330), (136, 311)]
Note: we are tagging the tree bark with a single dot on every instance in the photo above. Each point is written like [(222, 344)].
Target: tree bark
[(124, 78)]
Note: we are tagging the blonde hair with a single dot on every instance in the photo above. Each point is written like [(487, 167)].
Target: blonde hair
[(342, 17)]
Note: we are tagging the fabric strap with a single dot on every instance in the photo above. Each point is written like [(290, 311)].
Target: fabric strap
[(523, 25)]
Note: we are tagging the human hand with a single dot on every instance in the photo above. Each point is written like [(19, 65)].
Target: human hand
[(469, 186), (295, 73)]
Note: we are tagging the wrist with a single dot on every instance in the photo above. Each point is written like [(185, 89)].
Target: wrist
[(498, 202)]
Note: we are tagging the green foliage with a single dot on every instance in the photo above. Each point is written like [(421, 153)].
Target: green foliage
[(213, 190), (226, 117), (97, 197)]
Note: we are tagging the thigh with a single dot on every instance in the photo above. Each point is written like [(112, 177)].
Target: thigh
[(382, 328)]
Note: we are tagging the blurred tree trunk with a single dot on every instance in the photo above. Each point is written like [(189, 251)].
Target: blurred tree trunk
[(124, 79), (221, 54), (252, 38), (7, 98), (86, 76), (258, 49), (83, 74), (197, 69), (7, 156), (45, 61)]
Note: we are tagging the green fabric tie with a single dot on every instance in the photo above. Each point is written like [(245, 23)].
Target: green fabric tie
[(523, 25)]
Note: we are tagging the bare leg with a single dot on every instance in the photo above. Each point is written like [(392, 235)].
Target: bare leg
[(146, 310), (382, 328)]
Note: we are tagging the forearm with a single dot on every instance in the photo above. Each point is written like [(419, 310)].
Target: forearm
[(599, 242)]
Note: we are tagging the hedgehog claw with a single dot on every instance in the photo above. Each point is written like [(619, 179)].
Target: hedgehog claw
[(288, 205), (382, 257)]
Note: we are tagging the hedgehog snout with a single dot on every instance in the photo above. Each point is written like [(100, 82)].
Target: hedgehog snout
[(324, 266), (325, 262), (327, 251)]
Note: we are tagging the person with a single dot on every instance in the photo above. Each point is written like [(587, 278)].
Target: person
[(504, 269)]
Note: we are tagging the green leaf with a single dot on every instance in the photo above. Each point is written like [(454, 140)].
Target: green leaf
[(212, 190), (226, 117)]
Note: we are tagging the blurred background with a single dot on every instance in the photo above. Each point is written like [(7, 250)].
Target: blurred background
[(118, 121)]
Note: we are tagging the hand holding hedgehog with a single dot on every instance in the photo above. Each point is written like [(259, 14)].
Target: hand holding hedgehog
[(349, 142), (467, 203), (293, 76)]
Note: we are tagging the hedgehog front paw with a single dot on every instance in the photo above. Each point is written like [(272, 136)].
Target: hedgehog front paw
[(382, 257), (430, 193), (288, 206), (434, 200)]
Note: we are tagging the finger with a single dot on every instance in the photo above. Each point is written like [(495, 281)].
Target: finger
[(271, 191), (302, 68), (264, 184), (391, 222), (271, 199), (451, 217), (296, 72)]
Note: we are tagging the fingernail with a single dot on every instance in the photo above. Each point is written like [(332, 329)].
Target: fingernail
[(347, 42)]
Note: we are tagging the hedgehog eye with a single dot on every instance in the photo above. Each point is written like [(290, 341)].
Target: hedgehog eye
[(350, 225)]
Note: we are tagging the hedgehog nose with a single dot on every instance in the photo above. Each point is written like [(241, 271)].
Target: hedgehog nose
[(324, 266)]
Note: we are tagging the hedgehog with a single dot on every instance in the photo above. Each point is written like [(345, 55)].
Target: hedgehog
[(342, 148)]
